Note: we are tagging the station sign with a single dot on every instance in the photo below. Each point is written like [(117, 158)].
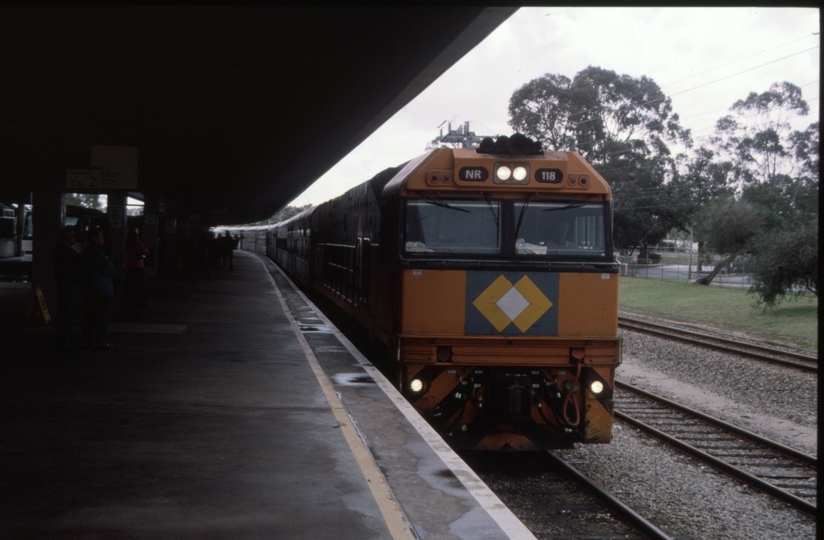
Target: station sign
[(96, 179), (117, 214), (83, 178), (118, 166)]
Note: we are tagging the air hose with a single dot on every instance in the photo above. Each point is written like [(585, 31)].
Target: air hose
[(570, 398)]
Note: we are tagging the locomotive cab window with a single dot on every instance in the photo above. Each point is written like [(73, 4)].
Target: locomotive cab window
[(453, 226), (560, 229)]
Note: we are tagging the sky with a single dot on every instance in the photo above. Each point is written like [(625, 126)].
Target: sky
[(705, 59)]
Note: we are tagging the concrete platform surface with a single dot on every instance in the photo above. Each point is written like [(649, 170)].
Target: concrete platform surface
[(232, 409)]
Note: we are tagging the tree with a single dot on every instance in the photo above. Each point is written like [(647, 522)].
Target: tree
[(757, 136), (699, 178), (729, 226), (637, 186), (86, 200), (624, 109), (806, 148), (772, 167), (786, 265), (621, 125), (547, 109), (794, 200), (594, 110)]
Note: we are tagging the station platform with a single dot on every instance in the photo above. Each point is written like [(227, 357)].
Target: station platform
[(232, 409)]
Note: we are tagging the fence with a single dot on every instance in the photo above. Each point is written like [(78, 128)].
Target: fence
[(666, 262)]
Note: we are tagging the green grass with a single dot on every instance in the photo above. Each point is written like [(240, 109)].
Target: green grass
[(793, 322)]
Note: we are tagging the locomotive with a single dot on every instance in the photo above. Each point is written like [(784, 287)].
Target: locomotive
[(490, 277)]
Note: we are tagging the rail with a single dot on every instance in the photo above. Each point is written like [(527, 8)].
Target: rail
[(785, 473), (645, 526), (550, 494), (803, 361)]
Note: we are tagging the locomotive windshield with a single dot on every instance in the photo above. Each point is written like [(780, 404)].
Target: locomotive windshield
[(438, 226), (523, 230), (559, 229)]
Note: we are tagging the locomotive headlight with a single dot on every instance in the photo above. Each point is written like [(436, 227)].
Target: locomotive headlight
[(416, 385), (511, 173), (596, 387)]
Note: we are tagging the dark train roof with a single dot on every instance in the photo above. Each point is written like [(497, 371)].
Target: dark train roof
[(234, 110)]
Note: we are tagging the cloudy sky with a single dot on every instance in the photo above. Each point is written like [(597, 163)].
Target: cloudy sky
[(705, 59)]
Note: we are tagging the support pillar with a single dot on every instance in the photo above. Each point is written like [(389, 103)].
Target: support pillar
[(116, 212), (150, 233), (23, 199), (48, 215)]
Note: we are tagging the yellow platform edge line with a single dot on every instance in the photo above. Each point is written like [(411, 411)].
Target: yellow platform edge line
[(393, 517)]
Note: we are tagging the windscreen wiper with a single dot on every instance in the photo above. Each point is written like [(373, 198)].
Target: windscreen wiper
[(492, 209), (446, 205), (567, 207), (521, 217)]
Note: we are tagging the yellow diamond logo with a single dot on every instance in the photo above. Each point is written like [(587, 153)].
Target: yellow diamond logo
[(503, 303)]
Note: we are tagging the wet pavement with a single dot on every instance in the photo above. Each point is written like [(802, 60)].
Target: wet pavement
[(208, 419)]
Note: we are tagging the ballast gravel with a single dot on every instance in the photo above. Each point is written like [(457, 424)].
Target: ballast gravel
[(686, 499), (682, 497), (775, 401)]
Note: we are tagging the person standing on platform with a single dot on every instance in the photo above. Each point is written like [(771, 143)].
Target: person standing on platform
[(67, 264), (98, 291), (229, 247), (134, 282)]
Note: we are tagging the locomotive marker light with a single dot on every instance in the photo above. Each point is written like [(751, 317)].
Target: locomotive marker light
[(596, 387), (416, 385)]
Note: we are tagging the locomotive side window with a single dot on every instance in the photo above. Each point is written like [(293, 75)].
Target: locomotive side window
[(557, 229), (462, 227)]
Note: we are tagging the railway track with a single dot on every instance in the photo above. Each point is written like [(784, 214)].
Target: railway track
[(783, 472), (801, 360), (555, 501)]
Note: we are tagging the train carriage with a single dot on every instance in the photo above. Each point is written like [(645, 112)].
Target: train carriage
[(491, 278)]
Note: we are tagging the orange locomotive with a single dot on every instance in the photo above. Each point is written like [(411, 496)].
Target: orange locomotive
[(491, 278)]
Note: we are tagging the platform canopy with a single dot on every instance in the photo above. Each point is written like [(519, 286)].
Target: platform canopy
[(233, 110)]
